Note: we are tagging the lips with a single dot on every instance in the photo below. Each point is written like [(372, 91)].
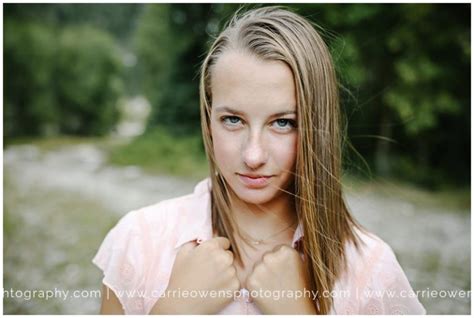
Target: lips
[(254, 181)]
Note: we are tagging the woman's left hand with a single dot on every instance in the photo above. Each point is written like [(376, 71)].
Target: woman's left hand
[(279, 271)]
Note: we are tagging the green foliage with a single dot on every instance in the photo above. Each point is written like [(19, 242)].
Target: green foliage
[(158, 151), (154, 49), (422, 93), (89, 81), (59, 80), (116, 19), (405, 73), (28, 60), (171, 44)]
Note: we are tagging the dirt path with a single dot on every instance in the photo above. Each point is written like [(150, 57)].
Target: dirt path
[(60, 204)]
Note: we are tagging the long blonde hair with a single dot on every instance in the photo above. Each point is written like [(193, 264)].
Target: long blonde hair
[(275, 33)]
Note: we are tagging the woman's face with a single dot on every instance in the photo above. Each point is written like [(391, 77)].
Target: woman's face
[(253, 125)]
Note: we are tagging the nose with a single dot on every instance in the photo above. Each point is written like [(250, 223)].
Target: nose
[(254, 155)]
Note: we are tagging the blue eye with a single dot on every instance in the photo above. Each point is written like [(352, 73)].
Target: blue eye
[(232, 120), (285, 123)]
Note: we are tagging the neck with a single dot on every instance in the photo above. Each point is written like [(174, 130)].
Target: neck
[(264, 219)]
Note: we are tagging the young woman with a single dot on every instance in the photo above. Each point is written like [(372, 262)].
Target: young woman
[(269, 231)]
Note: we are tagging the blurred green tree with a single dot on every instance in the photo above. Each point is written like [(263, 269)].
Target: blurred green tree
[(171, 43), (89, 81), (405, 77), (117, 19), (58, 80), (29, 101)]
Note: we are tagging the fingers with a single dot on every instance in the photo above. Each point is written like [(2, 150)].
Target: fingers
[(230, 254), (229, 259), (223, 242), (186, 247), (220, 241)]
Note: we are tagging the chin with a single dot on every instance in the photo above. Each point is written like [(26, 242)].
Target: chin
[(255, 196)]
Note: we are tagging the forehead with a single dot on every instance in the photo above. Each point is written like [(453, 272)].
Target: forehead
[(243, 81)]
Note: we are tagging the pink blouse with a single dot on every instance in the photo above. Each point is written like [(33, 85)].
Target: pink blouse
[(137, 257)]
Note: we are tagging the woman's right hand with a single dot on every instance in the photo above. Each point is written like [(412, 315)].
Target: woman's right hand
[(203, 268)]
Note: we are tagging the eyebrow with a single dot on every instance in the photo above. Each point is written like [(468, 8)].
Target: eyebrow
[(236, 112)]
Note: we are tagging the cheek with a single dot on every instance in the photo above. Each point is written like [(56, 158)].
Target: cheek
[(225, 148), (284, 151)]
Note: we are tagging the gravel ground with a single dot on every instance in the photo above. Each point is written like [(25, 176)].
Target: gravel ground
[(59, 204)]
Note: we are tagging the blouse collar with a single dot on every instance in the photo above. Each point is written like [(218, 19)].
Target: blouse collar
[(201, 224)]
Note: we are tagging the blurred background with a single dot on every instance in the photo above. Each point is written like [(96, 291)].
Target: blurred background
[(101, 116)]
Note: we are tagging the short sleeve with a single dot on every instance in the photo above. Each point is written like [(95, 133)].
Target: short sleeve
[(120, 257), (388, 291)]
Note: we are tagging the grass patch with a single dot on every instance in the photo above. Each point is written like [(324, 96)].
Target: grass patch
[(159, 152)]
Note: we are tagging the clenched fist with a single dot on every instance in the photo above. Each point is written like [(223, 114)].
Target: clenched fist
[(204, 267), (281, 269)]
